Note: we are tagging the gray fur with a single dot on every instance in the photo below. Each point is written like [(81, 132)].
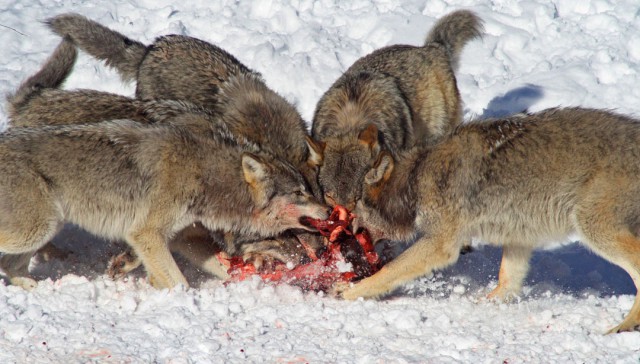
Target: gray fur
[(116, 50), (141, 184), (408, 93), (519, 182)]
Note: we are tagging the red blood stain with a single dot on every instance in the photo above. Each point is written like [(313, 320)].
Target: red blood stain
[(341, 246)]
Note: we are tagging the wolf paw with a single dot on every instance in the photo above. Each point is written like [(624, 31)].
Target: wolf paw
[(26, 283), (50, 252), (122, 264), (266, 254), (340, 288), (625, 326), (502, 294)]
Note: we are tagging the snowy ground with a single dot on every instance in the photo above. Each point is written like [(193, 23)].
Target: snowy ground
[(535, 54)]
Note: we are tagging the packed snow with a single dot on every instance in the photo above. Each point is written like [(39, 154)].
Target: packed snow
[(535, 54)]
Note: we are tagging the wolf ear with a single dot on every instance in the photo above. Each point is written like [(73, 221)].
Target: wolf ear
[(381, 170), (254, 169), (369, 137), (316, 150)]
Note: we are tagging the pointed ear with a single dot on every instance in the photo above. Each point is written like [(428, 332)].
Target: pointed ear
[(369, 137), (253, 168), (316, 151), (381, 170)]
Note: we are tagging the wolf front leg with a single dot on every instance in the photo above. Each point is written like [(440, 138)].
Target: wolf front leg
[(421, 258), (151, 246)]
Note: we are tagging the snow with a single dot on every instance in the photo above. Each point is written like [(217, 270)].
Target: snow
[(535, 54)]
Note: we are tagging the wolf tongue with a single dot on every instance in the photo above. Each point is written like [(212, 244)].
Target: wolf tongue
[(322, 272)]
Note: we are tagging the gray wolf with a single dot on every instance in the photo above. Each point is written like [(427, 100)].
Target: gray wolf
[(143, 184), (518, 182), (392, 99)]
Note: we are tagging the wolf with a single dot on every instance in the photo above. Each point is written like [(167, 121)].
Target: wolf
[(38, 101), (178, 67), (183, 68), (143, 184), (518, 182), (392, 99)]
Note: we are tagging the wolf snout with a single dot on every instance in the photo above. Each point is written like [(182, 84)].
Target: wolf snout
[(310, 221)]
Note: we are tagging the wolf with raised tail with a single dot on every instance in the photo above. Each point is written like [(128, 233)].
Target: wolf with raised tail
[(392, 99)]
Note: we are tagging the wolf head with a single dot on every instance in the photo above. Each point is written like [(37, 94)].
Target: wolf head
[(280, 194), (387, 206), (346, 161)]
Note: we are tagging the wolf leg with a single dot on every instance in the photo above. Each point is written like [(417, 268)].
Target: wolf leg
[(16, 267), (608, 223), (152, 248), (197, 244), (624, 250), (420, 259), (513, 270)]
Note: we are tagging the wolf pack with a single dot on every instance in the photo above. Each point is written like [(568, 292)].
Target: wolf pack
[(206, 158)]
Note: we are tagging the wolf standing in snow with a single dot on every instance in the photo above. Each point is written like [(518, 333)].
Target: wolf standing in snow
[(518, 182), (208, 78), (141, 184), (177, 67), (392, 99)]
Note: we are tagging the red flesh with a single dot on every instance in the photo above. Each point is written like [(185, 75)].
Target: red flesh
[(342, 245)]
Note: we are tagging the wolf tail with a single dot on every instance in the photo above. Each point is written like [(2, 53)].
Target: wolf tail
[(118, 51), (454, 30), (52, 75)]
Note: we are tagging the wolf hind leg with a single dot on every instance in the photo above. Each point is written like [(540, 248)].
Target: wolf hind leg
[(624, 250), (25, 227), (605, 228), (16, 267)]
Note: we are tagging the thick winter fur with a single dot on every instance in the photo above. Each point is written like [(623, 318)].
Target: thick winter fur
[(52, 75), (66, 107), (39, 101), (141, 184), (406, 94), (178, 67), (518, 182), (239, 110), (115, 49)]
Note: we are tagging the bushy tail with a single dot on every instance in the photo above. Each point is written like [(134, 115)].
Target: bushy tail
[(454, 30), (115, 49), (52, 74)]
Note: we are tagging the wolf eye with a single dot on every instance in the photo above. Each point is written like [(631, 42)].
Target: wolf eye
[(298, 193)]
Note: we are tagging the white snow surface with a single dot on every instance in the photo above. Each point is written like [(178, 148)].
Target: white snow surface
[(535, 54)]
